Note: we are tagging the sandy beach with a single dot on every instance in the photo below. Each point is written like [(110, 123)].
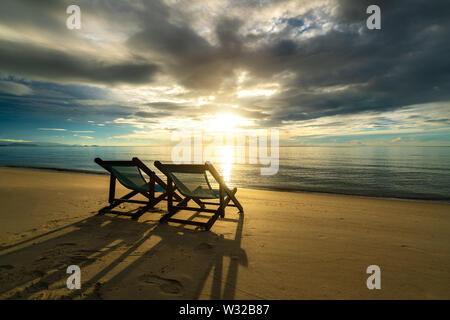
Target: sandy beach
[(285, 246)]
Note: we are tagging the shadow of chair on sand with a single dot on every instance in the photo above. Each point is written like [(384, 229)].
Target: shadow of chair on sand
[(121, 258)]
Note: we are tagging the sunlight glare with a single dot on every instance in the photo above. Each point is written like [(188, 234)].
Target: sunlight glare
[(224, 122), (227, 154)]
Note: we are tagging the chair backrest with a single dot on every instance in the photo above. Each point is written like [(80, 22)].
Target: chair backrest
[(127, 172), (191, 180), (130, 177)]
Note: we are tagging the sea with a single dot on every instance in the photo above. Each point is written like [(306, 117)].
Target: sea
[(406, 172)]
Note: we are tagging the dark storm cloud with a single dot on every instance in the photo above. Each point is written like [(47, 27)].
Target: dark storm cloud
[(42, 14), (346, 70), (375, 70), (341, 67), (355, 10), (61, 102), (51, 61), (44, 63), (193, 61), (227, 31)]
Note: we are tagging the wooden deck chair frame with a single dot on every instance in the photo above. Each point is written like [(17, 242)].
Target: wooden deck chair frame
[(150, 195), (226, 195)]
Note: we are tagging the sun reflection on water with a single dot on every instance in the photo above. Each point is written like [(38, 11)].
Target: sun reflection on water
[(226, 160)]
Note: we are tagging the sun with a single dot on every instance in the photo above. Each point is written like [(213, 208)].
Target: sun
[(224, 123)]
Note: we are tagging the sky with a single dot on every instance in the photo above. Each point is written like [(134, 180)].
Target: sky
[(137, 71)]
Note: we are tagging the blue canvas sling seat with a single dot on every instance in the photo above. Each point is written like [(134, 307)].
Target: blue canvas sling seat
[(191, 181), (129, 174)]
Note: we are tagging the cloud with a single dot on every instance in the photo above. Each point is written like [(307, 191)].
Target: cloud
[(43, 63), (14, 140), (345, 69), (51, 129), (13, 88), (278, 63), (355, 10), (143, 114), (442, 121), (137, 134), (83, 137)]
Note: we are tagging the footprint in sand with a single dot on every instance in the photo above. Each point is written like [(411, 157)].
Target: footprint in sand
[(170, 286), (204, 246), (7, 267), (87, 251), (38, 273), (75, 259), (67, 244)]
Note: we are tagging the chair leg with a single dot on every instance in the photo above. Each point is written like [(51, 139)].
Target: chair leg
[(211, 221), (158, 199), (104, 210), (111, 195), (174, 209), (222, 207), (112, 189), (220, 212), (235, 201), (225, 202), (201, 204)]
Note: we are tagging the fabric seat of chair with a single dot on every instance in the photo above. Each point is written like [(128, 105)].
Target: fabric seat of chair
[(202, 193), (158, 188), (131, 178), (198, 188)]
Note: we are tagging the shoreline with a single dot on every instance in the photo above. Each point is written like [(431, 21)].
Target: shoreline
[(53, 169), (263, 188)]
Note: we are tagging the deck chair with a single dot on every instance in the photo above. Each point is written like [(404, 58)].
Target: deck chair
[(191, 181), (129, 174)]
